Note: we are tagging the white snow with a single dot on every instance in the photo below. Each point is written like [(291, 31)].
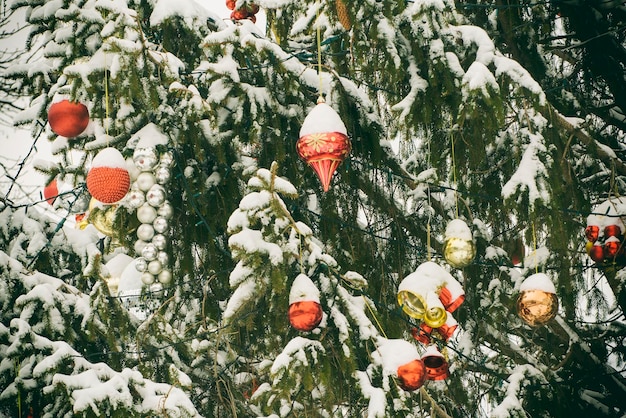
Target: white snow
[(457, 228), (322, 118), (303, 289), (393, 353), (148, 137), (428, 277), (538, 281), (109, 157)]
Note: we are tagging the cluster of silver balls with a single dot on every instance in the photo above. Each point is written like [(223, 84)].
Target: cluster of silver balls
[(148, 196)]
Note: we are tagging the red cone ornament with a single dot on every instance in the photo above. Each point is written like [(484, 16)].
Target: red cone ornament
[(323, 142), (68, 119), (108, 180), (51, 191), (305, 311)]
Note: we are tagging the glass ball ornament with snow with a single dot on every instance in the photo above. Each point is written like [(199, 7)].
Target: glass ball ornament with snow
[(145, 158), (412, 375), (159, 241), (305, 312), (160, 224), (537, 302), (162, 175), (149, 252), (458, 248), (156, 195)]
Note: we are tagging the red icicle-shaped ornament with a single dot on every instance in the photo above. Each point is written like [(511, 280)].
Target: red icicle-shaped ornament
[(323, 142)]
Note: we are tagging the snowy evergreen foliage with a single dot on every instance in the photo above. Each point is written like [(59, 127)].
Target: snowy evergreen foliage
[(448, 120)]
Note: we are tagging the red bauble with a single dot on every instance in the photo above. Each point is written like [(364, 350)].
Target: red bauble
[(324, 152), (446, 298), (108, 180), (612, 231), (446, 331), (305, 315), (51, 191), (422, 333), (592, 232), (596, 252), (231, 4), (412, 375), (611, 248), (67, 118), (239, 14)]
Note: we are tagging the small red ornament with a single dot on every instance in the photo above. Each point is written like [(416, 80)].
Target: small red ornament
[(449, 300), (435, 364), (67, 118), (412, 375), (231, 4), (596, 252), (305, 315), (592, 232), (108, 180), (612, 231), (323, 142), (51, 191), (447, 330), (422, 333), (611, 247)]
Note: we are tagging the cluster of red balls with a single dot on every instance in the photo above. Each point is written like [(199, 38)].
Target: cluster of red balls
[(248, 11), (607, 246)]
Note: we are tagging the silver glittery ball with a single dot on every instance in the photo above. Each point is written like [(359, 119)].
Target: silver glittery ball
[(145, 232), (149, 252), (163, 257), (165, 276), (81, 204), (139, 246), (160, 224), (136, 198), (156, 195), (167, 158), (141, 264), (162, 175), (166, 210), (159, 241), (145, 158), (147, 278)]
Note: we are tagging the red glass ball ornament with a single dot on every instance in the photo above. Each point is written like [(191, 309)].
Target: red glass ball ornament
[(611, 248), (323, 152), (596, 252), (231, 4), (422, 333), (68, 119), (612, 231), (51, 191), (412, 375), (305, 315), (592, 232)]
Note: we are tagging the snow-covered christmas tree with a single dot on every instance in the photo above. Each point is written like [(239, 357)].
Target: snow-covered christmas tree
[(371, 208)]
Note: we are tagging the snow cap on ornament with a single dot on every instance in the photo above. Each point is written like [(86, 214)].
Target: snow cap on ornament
[(68, 119), (108, 180), (323, 142), (400, 358), (537, 302), (305, 311), (458, 248)]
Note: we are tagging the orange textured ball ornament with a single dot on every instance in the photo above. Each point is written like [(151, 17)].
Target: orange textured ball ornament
[(412, 375), (68, 119), (108, 180), (305, 315), (323, 142)]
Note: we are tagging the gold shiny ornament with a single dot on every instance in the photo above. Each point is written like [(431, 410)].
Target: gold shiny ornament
[(536, 307), (459, 252), (435, 314), (102, 217), (413, 304)]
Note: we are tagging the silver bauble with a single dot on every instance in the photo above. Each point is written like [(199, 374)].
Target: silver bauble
[(155, 267), (163, 257), (162, 175), (149, 252), (159, 241), (167, 158), (136, 198), (166, 210), (145, 232), (165, 276), (81, 203), (156, 195), (139, 246), (160, 224), (141, 264), (145, 181), (146, 214), (147, 278), (145, 158)]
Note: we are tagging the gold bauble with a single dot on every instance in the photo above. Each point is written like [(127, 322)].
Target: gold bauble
[(102, 218), (435, 317), (459, 252), (536, 307)]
